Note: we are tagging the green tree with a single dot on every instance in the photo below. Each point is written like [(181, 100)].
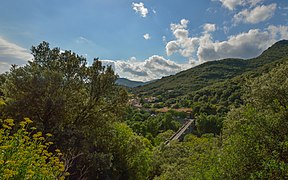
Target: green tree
[(75, 102), (132, 154), (255, 141), (195, 158), (209, 124)]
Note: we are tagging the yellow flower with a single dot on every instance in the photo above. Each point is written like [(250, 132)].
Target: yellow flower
[(6, 127), (10, 122), (38, 134), (49, 135), (28, 120), (23, 123), (57, 150)]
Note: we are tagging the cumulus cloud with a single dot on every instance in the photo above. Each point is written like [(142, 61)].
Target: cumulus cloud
[(152, 68), (256, 15), (11, 53), (140, 8), (147, 36), (183, 25), (244, 45), (232, 4), (183, 43), (209, 27), (205, 48)]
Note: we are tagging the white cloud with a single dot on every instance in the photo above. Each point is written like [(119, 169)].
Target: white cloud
[(226, 29), (209, 27), (278, 32), (164, 39), (152, 68), (140, 8), (232, 4), (253, 3), (147, 36), (244, 45), (183, 25), (83, 40), (256, 15), (11, 53), (183, 44), (203, 48), (172, 47)]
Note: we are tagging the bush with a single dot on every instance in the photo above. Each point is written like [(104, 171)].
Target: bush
[(24, 153)]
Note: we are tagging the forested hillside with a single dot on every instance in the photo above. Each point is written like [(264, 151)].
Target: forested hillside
[(210, 73), (131, 84), (63, 119)]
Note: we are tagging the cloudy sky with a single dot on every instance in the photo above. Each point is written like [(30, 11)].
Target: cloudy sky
[(145, 39)]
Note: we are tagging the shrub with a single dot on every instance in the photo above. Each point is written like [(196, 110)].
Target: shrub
[(24, 153)]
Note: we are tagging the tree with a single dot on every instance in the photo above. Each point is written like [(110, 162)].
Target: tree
[(195, 158), (76, 102), (132, 154), (209, 124), (255, 135)]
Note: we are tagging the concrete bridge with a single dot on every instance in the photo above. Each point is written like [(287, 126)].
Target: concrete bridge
[(180, 131)]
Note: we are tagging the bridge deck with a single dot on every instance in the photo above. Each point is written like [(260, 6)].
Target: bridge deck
[(180, 131)]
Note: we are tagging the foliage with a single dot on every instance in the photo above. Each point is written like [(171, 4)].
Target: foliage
[(209, 73), (150, 125), (192, 159), (209, 124), (25, 155), (255, 135), (241, 107), (76, 102), (132, 153)]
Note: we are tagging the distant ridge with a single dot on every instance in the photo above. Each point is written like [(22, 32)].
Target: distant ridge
[(212, 72), (131, 84)]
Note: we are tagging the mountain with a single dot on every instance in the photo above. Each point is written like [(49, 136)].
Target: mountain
[(130, 83), (212, 72)]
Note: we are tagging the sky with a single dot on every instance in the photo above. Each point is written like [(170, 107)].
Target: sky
[(142, 40)]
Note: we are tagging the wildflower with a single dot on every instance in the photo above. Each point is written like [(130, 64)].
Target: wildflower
[(6, 127), (49, 135), (23, 123), (57, 150), (38, 134), (29, 121), (10, 122)]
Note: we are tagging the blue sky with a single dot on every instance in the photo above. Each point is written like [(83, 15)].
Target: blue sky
[(144, 39)]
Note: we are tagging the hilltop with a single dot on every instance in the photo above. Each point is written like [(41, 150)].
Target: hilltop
[(212, 72)]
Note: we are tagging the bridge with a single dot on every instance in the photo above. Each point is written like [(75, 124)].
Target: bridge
[(180, 131)]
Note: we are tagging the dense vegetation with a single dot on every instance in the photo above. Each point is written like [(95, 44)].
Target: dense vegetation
[(210, 73), (241, 132)]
